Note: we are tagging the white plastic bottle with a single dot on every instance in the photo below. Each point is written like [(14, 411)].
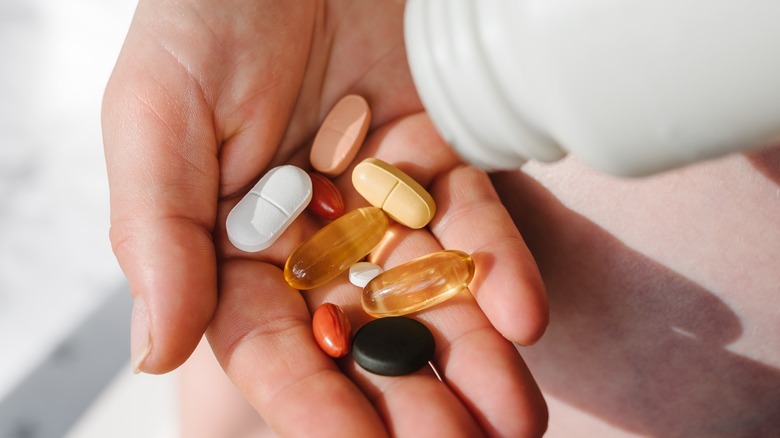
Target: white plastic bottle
[(629, 86)]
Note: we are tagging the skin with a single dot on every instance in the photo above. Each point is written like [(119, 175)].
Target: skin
[(208, 95), (663, 296)]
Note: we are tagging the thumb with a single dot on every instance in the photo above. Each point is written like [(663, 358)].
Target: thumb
[(161, 158)]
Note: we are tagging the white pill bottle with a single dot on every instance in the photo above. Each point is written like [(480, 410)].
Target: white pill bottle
[(631, 87)]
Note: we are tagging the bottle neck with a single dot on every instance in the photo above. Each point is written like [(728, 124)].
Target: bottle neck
[(467, 83), (630, 88)]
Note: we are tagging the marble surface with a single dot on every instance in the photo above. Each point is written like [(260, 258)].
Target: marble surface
[(56, 264)]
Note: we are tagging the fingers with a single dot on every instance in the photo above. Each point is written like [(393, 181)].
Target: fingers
[(509, 290), (169, 267), (470, 217), (507, 284), (482, 368), (485, 371), (261, 335), (416, 405), (162, 169)]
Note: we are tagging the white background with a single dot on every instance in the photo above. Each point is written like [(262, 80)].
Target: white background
[(56, 265)]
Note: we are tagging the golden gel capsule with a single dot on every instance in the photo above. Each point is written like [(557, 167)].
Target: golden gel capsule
[(418, 284), (335, 248)]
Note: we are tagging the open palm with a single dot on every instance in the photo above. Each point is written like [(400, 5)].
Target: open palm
[(206, 96)]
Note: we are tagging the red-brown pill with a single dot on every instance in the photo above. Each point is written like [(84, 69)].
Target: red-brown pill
[(326, 200), (332, 330)]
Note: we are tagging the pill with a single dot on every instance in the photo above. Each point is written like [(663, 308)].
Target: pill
[(326, 200), (341, 135), (402, 198), (263, 214), (393, 346), (362, 272), (334, 248), (332, 330), (418, 284)]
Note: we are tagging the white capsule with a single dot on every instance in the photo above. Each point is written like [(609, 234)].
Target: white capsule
[(269, 208), (362, 272)]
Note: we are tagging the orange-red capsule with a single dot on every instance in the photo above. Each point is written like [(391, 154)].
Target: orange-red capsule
[(332, 330)]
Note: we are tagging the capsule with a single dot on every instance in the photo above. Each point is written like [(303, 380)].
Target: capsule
[(335, 248), (332, 330), (326, 200), (418, 284)]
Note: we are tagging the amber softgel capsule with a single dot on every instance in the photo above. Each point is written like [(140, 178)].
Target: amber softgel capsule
[(418, 284), (334, 248)]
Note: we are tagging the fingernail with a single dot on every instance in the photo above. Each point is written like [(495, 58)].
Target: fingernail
[(140, 336)]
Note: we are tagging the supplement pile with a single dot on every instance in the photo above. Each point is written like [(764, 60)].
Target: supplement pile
[(393, 344)]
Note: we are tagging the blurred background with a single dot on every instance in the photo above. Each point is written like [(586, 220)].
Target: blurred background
[(64, 306)]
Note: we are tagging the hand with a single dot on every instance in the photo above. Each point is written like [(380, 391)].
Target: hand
[(208, 95)]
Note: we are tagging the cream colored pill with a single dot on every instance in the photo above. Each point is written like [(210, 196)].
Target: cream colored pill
[(341, 135), (362, 272), (388, 188), (269, 208)]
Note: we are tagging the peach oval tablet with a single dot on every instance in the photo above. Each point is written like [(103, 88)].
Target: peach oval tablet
[(263, 214), (386, 187), (341, 135)]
